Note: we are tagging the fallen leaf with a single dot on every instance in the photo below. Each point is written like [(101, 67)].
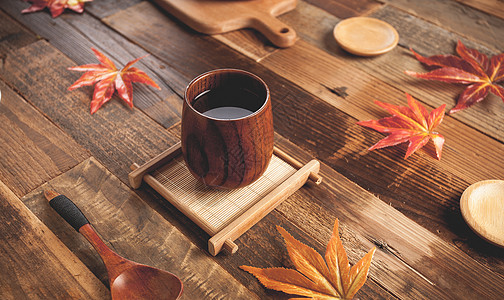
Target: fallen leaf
[(413, 124), (313, 277), (108, 79), (472, 67), (56, 7)]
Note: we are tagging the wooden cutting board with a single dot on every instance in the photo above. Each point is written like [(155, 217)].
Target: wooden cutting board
[(220, 16)]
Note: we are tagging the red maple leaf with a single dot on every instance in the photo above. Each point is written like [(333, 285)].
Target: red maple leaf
[(414, 124), (472, 67), (55, 6), (108, 78)]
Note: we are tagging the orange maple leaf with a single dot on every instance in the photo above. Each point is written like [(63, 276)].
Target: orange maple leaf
[(314, 278), (108, 78), (414, 124)]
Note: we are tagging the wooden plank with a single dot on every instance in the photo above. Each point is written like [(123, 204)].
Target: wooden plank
[(33, 149), (493, 7), (255, 46), (79, 120), (456, 17), (313, 221), (35, 263), (346, 8), (414, 32), (134, 230), (12, 35), (425, 38), (309, 110), (345, 200), (340, 143), (338, 140), (75, 34), (102, 9), (261, 246), (407, 253), (483, 116), (248, 42), (315, 26), (116, 135), (312, 77), (185, 45), (97, 8), (445, 179), (364, 88)]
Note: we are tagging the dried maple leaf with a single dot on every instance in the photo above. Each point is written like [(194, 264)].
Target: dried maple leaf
[(55, 6), (413, 124), (472, 67), (108, 78), (314, 278)]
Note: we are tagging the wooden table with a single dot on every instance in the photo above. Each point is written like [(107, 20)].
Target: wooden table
[(408, 209)]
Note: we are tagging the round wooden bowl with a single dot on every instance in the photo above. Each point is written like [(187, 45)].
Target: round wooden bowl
[(482, 206), (365, 36)]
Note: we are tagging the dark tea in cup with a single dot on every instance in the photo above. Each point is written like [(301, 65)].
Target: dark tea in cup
[(224, 105)]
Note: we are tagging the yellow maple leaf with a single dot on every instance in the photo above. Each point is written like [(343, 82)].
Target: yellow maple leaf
[(314, 278)]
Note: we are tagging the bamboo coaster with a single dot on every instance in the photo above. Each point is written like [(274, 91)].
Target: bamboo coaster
[(224, 214), (366, 36), (482, 206)]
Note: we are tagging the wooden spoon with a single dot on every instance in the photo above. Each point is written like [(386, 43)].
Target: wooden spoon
[(128, 279)]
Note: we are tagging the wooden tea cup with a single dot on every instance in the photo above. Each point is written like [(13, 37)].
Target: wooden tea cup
[(227, 151)]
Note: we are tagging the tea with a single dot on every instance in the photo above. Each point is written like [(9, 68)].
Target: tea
[(227, 103), (227, 112)]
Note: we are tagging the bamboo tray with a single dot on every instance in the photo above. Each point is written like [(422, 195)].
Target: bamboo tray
[(224, 214)]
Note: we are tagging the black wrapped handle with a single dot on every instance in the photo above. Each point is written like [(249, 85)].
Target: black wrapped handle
[(69, 211)]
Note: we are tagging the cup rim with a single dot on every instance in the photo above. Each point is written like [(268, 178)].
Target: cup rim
[(229, 70)]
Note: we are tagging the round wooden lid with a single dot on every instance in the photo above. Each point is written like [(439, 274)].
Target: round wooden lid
[(365, 36), (482, 206)]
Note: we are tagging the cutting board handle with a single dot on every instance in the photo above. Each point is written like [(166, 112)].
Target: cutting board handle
[(279, 33)]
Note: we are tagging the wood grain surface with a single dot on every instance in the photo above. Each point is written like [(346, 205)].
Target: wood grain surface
[(346, 8), (458, 18), (75, 36), (424, 38), (493, 7), (35, 263), (12, 36), (101, 135), (33, 149), (447, 178), (408, 209), (132, 229)]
